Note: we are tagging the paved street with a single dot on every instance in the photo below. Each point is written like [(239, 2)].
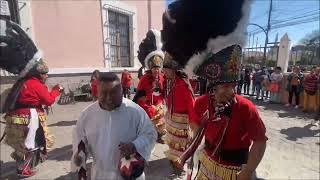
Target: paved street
[(292, 149)]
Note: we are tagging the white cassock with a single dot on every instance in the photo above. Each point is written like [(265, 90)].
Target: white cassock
[(102, 131)]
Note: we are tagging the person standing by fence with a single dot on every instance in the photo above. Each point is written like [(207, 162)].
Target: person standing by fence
[(241, 82), (294, 86), (276, 79), (310, 84), (259, 77), (247, 81)]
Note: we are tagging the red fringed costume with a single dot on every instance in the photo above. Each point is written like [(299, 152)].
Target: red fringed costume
[(153, 104), (180, 103)]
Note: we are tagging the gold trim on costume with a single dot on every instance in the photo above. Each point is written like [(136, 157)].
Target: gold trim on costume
[(210, 169), (180, 118), (17, 128), (19, 120), (24, 119), (176, 125), (172, 156), (176, 145), (177, 132)]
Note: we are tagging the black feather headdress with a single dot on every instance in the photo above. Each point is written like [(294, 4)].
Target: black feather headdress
[(193, 29), (18, 52), (18, 55), (150, 52)]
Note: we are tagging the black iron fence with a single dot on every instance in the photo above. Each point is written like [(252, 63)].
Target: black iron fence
[(255, 55)]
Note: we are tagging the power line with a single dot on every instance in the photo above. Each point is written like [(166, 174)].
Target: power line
[(297, 22), (285, 11), (277, 23), (293, 18)]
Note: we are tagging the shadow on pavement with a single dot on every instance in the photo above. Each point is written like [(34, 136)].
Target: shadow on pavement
[(72, 175), (295, 133), (294, 114), (61, 154), (288, 112), (158, 169), (63, 123), (8, 170)]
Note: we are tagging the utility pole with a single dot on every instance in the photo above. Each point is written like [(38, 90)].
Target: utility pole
[(255, 55), (267, 34), (252, 45), (249, 40)]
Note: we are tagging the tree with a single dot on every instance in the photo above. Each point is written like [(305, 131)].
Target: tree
[(271, 63), (311, 42)]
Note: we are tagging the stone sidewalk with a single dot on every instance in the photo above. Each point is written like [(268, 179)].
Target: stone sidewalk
[(292, 152)]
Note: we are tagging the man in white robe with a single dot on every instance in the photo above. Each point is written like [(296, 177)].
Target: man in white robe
[(110, 128)]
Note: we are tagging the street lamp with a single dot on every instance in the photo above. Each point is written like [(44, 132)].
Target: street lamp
[(266, 41)]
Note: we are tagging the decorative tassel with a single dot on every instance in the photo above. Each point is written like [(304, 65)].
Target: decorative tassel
[(82, 155)]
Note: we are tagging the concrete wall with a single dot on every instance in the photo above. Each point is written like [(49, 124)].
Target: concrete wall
[(69, 32), (157, 9)]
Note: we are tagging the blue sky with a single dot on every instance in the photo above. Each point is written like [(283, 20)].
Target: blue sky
[(282, 11)]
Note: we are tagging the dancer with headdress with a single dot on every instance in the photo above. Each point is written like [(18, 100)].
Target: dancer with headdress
[(151, 57), (206, 38), (179, 102), (26, 130)]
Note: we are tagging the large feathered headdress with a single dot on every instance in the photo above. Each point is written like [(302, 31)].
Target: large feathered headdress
[(19, 53), (194, 32), (150, 52)]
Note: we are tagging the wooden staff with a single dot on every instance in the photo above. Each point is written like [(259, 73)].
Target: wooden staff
[(195, 142)]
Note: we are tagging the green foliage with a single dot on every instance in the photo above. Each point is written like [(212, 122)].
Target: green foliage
[(271, 63)]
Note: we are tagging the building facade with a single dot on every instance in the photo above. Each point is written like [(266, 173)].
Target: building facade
[(80, 36)]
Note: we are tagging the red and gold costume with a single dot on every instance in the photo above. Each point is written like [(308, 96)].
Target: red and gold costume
[(154, 103), (150, 85), (212, 51), (34, 94), (239, 134), (26, 131), (180, 102)]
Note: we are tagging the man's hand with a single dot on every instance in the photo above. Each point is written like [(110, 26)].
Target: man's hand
[(126, 149), (58, 87), (244, 174)]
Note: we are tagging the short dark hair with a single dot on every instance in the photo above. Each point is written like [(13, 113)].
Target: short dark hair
[(108, 77), (279, 68), (138, 95), (95, 74)]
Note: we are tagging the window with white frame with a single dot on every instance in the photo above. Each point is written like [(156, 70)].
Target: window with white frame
[(119, 36), (10, 10)]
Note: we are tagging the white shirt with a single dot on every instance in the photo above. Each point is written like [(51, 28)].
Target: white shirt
[(276, 77), (102, 131)]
